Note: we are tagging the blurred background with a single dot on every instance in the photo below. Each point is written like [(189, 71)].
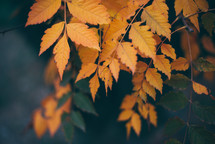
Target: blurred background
[(22, 85)]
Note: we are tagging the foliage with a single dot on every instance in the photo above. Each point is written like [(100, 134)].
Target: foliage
[(110, 36)]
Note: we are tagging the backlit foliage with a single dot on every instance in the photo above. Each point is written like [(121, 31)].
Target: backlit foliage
[(109, 36)]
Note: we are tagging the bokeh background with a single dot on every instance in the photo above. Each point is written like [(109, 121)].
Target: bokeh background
[(22, 87)]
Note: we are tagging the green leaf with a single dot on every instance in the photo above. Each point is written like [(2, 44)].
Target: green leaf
[(203, 65), (174, 101), (178, 81), (83, 85), (208, 21), (84, 103), (205, 113), (63, 99), (173, 141), (68, 127), (200, 135), (78, 120), (173, 125)]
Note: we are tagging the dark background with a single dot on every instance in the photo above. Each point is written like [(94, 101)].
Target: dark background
[(22, 88)]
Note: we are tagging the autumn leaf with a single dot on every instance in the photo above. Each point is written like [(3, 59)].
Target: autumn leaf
[(202, 4), (152, 115), (150, 90), (87, 55), (39, 123), (143, 39), (180, 64), (108, 48), (115, 68), (154, 78), (106, 76), (156, 21), (94, 85), (127, 55), (90, 11), (86, 71), (163, 65), (136, 123), (160, 5), (128, 129), (42, 10), (125, 115), (50, 36), (199, 89), (128, 102), (80, 34), (168, 50), (61, 52)]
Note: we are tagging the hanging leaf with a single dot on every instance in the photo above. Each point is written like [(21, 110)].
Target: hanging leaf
[(178, 81), (168, 50), (136, 123), (125, 115), (202, 4), (84, 103), (180, 64), (128, 102), (63, 99), (115, 68), (42, 10), (92, 54), (94, 86), (204, 65), (199, 89), (173, 125), (173, 101), (68, 127), (150, 90), (39, 123), (77, 120)]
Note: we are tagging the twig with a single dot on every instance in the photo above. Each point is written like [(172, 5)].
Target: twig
[(199, 13), (12, 29)]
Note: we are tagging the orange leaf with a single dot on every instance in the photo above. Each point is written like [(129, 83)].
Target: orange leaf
[(180, 64), (152, 115), (87, 55), (154, 78), (80, 34), (127, 54), (128, 128), (150, 90), (125, 115), (86, 71), (128, 102), (42, 10), (199, 89), (94, 85), (168, 50), (50, 36), (39, 123), (136, 123), (114, 68), (62, 52)]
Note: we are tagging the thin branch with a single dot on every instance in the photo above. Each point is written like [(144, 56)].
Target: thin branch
[(12, 29), (199, 12)]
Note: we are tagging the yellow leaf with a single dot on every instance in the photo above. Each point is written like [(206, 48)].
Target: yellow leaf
[(49, 104), (137, 78), (128, 102), (136, 123), (39, 123), (114, 68), (168, 50), (90, 11), (50, 36), (127, 55), (160, 5), (199, 89), (106, 77), (154, 79), (163, 65), (80, 34), (129, 10), (141, 67), (62, 90), (143, 39), (152, 115), (128, 129), (115, 29), (125, 115), (202, 4), (180, 64), (150, 90), (62, 52), (94, 85), (142, 95), (141, 2), (108, 48), (42, 10), (87, 55), (188, 7), (86, 71), (143, 110), (157, 21)]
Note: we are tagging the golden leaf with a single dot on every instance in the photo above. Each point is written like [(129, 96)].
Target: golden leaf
[(154, 79), (163, 65), (87, 55), (150, 90), (180, 64), (143, 39), (141, 67), (50, 72), (128, 129), (39, 123), (199, 89), (168, 50), (157, 21), (86, 71), (42, 10), (202, 4), (108, 48), (62, 52), (128, 102), (106, 77), (90, 11), (160, 5), (80, 34), (50, 36), (136, 123), (115, 68), (127, 55), (125, 115), (94, 85), (152, 115)]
